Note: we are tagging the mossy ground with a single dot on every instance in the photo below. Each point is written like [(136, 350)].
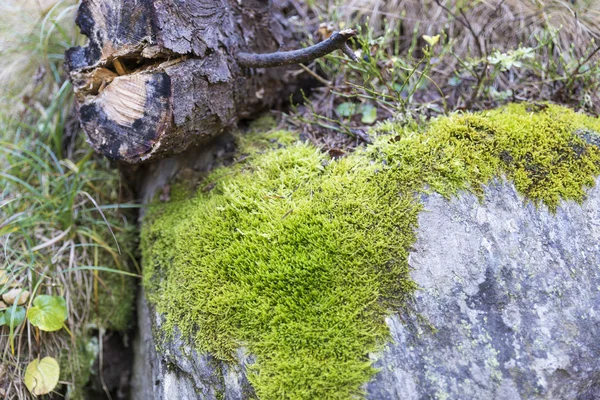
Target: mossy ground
[(300, 258), (76, 365)]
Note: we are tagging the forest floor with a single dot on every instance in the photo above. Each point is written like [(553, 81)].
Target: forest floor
[(68, 232)]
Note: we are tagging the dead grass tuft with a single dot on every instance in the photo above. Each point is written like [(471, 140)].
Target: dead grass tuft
[(490, 52), (498, 24)]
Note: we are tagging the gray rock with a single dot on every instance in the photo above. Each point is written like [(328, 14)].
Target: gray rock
[(514, 295), (178, 372), (509, 308)]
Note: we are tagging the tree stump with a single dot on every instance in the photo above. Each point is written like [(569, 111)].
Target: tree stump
[(158, 77)]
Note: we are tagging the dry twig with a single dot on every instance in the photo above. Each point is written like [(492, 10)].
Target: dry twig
[(337, 41)]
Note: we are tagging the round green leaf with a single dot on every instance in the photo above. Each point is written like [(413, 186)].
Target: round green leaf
[(346, 109), (41, 376), (12, 316), (369, 114), (48, 312)]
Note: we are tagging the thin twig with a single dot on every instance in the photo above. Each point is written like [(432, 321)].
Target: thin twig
[(337, 41), (315, 75), (575, 74), (464, 21), (587, 59)]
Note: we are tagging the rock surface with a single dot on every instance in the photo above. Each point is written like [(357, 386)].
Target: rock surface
[(509, 308), (514, 293)]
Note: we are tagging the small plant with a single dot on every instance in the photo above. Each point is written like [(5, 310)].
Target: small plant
[(383, 84), (48, 313)]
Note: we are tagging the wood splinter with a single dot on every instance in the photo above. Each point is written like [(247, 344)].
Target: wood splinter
[(337, 41)]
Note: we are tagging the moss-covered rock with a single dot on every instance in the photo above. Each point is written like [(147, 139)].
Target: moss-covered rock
[(299, 258), (539, 148), (298, 261)]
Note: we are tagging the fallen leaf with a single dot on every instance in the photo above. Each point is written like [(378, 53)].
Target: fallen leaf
[(346, 109), (18, 294), (336, 153), (369, 114), (3, 276), (41, 376)]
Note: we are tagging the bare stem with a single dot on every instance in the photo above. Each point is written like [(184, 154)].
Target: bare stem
[(337, 41)]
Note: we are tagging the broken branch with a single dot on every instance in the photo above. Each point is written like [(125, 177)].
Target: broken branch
[(337, 41)]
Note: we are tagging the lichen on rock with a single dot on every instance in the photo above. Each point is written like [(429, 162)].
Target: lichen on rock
[(300, 258)]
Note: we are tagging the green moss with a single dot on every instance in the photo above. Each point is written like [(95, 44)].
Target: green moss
[(263, 124), (117, 301), (300, 258), (76, 366), (536, 149), (258, 141), (288, 260)]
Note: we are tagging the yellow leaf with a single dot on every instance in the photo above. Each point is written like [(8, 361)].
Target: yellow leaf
[(431, 40), (41, 376)]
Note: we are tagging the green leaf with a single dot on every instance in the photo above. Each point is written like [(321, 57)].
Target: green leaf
[(48, 312), (346, 109), (369, 114), (41, 376), (16, 314)]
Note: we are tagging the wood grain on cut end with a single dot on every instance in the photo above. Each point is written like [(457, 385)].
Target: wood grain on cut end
[(128, 117), (124, 100)]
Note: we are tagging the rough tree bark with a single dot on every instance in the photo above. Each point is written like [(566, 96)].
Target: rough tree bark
[(160, 76)]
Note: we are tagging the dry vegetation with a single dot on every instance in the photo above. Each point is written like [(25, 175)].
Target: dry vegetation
[(489, 52), (497, 24), (59, 230)]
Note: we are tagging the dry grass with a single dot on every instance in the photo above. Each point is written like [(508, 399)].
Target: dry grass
[(499, 24), (33, 37), (554, 41)]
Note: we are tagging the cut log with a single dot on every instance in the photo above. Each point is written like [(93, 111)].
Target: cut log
[(160, 76)]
